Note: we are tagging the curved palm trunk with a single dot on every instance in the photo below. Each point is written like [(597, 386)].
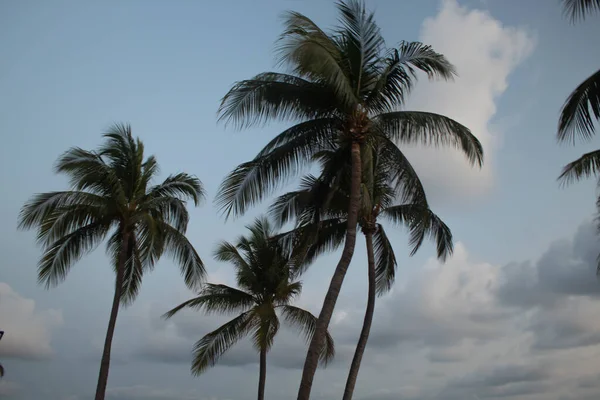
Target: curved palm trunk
[(105, 363), (318, 339), (262, 378), (366, 328)]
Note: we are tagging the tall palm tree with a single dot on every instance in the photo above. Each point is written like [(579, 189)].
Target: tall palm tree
[(111, 196), (266, 280), (582, 108), (1, 366), (320, 209), (342, 89)]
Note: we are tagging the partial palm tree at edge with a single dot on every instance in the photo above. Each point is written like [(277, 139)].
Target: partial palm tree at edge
[(111, 197), (266, 281)]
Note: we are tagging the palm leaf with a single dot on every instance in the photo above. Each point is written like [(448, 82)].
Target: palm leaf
[(311, 53), (88, 172), (306, 323), (584, 167), (43, 205), (580, 111), (271, 95), (578, 9), (417, 127), (208, 350), (422, 222), (385, 261), (184, 254), (218, 299), (179, 186), (398, 77), (250, 182), (62, 254)]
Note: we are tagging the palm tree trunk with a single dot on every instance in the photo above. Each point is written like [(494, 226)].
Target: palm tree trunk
[(366, 328), (262, 379), (318, 339), (105, 363)]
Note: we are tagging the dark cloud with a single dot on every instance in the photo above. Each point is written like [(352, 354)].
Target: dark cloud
[(500, 381), (555, 333), (567, 268)]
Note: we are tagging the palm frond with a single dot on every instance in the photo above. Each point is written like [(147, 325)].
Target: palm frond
[(399, 174), (416, 127), (305, 322), (422, 222), (584, 167), (44, 205), (208, 350), (265, 331), (62, 254), (580, 112), (133, 274), (251, 181), (180, 186), (287, 292), (398, 77), (311, 53), (228, 252), (362, 44), (385, 261), (310, 241), (578, 9), (87, 171), (184, 254), (218, 299), (275, 96)]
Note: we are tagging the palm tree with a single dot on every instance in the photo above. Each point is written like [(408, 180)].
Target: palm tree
[(1, 367), (582, 108), (111, 196), (342, 89), (266, 280), (320, 209)]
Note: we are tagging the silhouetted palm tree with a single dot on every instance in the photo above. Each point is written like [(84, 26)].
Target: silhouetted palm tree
[(266, 280), (112, 197), (582, 109), (343, 90), (1, 366), (320, 209)]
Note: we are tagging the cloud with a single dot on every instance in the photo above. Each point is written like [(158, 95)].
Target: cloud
[(485, 53), (9, 389), (467, 327), (173, 341), (151, 393), (28, 331)]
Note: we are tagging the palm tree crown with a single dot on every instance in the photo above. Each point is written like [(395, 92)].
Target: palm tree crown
[(266, 286), (320, 209), (341, 87), (112, 192)]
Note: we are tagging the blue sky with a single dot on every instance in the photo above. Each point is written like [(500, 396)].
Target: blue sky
[(69, 69)]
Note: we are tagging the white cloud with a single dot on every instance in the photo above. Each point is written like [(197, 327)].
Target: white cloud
[(28, 331), (485, 53)]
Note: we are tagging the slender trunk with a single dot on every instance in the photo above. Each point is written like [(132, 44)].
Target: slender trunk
[(366, 328), (262, 378), (318, 339), (105, 363)]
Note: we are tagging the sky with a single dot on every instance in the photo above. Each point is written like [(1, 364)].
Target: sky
[(513, 314)]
